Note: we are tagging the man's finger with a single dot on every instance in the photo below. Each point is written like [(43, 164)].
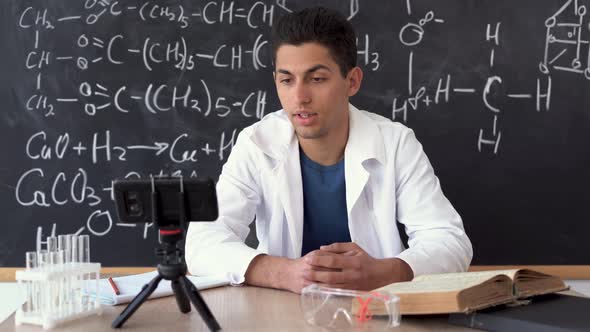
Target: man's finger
[(316, 253), (320, 268), (350, 253), (325, 277), (340, 247), (333, 261)]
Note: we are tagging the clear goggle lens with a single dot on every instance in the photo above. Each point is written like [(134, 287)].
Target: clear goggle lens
[(334, 308)]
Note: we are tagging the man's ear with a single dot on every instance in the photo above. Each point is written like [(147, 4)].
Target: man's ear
[(355, 77)]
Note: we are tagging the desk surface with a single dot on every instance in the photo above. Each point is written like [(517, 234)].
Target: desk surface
[(236, 309)]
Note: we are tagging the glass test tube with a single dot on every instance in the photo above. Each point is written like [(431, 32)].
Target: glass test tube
[(74, 249), (51, 243), (75, 282), (56, 258), (43, 259), (42, 292), (31, 259), (84, 257), (64, 242), (56, 286), (31, 286), (84, 248)]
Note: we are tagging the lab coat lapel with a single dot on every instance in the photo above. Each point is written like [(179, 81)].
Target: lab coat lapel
[(364, 143), (278, 140), (355, 153), (291, 195)]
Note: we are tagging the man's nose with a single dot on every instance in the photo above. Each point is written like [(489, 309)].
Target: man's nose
[(302, 93)]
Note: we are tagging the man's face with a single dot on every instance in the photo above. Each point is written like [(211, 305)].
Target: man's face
[(312, 90)]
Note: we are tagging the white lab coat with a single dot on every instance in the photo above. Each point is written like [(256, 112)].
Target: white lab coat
[(388, 177)]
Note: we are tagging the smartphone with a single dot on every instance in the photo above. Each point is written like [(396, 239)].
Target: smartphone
[(134, 199)]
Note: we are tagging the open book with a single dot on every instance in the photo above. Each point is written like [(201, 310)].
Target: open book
[(129, 286), (469, 291)]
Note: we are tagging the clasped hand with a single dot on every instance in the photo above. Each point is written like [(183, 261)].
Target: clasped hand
[(341, 265)]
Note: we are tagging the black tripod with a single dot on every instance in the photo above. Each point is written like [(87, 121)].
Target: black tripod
[(173, 268)]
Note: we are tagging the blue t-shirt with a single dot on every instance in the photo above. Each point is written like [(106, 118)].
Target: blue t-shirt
[(325, 219)]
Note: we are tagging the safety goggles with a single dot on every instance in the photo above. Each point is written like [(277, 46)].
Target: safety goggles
[(335, 308)]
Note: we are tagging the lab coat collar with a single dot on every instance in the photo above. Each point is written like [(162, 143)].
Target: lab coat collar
[(274, 135), (364, 139)]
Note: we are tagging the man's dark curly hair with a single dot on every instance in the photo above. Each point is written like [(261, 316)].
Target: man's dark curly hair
[(320, 25)]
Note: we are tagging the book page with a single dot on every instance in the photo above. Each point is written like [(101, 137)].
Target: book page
[(481, 275), (526, 274), (441, 283), (529, 282)]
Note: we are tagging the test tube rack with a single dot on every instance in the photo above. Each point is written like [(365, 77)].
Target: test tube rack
[(58, 294)]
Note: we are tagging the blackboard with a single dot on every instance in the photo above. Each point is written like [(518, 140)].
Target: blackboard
[(496, 91)]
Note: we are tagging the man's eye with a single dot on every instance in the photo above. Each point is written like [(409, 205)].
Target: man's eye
[(285, 80), (318, 79)]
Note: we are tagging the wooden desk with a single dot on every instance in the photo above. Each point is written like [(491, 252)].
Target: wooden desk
[(236, 309)]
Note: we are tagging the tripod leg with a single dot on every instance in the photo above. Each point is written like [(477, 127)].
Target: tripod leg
[(199, 304), (146, 291), (181, 298)]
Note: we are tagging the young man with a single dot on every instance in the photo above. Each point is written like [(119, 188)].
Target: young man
[(326, 182)]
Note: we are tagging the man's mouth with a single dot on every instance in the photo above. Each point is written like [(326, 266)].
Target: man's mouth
[(304, 115), (305, 118)]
